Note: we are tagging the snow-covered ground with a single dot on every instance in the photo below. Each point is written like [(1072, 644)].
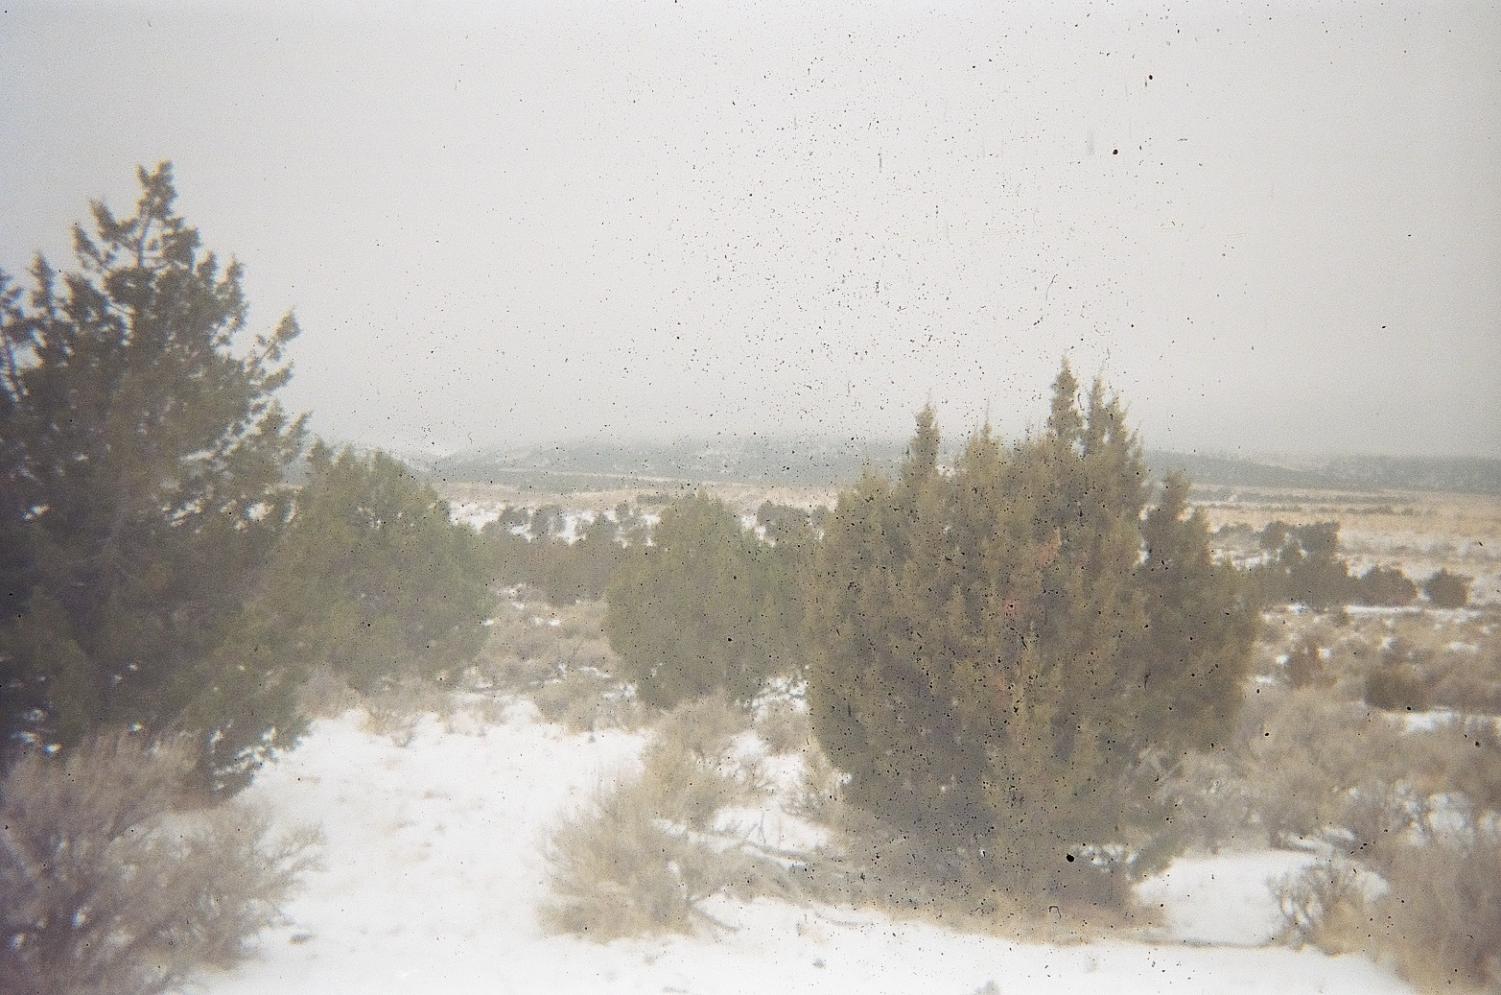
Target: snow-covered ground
[(434, 865)]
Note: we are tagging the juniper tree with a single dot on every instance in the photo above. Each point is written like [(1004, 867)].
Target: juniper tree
[(371, 579), (994, 646), (143, 456), (697, 611)]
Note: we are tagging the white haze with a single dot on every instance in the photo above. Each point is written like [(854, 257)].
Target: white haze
[(1271, 226)]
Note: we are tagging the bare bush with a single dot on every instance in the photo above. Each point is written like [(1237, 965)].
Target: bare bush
[(1444, 910), (1468, 682), (784, 726), (1208, 800), (1438, 915), (1305, 666), (618, 869), (689, 774), (1327, 905), (1314, 759), (586, 700), (106, 892), (1397, 688)]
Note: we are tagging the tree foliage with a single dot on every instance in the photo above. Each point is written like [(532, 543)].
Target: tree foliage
[(1446, 589), (143, 456), (705, 607), (158, 572), (993, 647), (371, 579)]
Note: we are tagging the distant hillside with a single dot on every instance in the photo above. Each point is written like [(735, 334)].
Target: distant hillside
[(805, 462), (821, 462), (1473, 475)]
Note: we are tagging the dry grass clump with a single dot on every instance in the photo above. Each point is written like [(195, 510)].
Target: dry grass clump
[(1439, 917), (587, 700), (642, 857), (106, 892), (620, 869), (688, 773)]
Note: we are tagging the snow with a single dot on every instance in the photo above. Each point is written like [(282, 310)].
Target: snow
[(434, 866)]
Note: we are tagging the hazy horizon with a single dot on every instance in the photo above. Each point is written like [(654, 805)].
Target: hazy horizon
[(1272, 228)]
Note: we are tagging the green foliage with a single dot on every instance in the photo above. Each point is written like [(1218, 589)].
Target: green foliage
[(372, 579), (1396, 687), (991, 650), (706, 607), (1448, 590), (564, 572), (1305, 567), (143, 457)]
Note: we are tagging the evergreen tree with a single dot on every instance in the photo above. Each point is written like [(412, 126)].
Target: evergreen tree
[(995, 646), (1387, 586), (1445, 589), (372, 579), (696, 611), (143, 458)]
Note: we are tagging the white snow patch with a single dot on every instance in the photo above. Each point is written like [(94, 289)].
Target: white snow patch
[(434, 867)]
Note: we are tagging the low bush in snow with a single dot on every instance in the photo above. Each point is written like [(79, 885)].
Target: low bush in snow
[(644, 855), (587, 700), (107, 891), (784, 726), (1437, 915), (620, 869)]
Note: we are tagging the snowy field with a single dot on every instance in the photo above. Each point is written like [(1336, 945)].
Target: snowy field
[(434, 866)]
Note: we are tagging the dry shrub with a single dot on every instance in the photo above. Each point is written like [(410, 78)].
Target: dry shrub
[(618, 869), (507, 671), (1439, 917), (397, 710), (1314, 758), (106, 892), (1396, 688), (1305, 666), (701, 728), (1469, 682), (1209, 803), (643, 856), (587, 700), (1328, 905), (688, 772), (784, 726), (1444, 907)]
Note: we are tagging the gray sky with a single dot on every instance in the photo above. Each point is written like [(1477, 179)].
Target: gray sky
[(1272, 226)]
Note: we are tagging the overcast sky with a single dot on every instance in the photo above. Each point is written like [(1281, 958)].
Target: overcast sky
[(1271, 226)]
